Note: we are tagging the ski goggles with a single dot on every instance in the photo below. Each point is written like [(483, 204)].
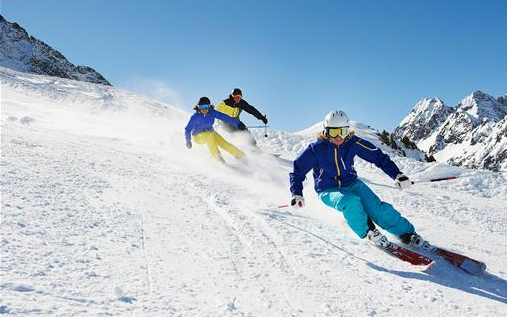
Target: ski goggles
[(334, 132), (203, 107)]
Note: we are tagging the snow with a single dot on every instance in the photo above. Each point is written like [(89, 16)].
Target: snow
[(105, 212)]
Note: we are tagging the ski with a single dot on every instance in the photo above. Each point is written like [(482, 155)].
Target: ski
[(409, 256), (465, 263)]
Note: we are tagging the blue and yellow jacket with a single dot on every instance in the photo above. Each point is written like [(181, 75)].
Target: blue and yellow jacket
[(199, 123), (333, 166)]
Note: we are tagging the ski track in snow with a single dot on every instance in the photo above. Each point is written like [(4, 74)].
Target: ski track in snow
[(99, 222)]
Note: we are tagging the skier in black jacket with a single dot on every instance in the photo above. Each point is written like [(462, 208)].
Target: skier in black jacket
[(233, 106)]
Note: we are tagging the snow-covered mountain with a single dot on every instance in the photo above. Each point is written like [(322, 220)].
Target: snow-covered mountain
[(105, 212), (425, 117), (23, 52), (470, 135), (483, 107)]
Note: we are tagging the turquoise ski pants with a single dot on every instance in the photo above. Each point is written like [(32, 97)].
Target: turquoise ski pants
[(358, 203)]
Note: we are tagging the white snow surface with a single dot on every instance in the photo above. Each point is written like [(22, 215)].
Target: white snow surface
[(106, 213)]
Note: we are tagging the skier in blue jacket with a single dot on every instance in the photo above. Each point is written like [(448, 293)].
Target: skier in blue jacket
[(332, 159), (200, 127)]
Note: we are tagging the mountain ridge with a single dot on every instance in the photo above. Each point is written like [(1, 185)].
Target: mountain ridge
[(23, 52), (459, 135)]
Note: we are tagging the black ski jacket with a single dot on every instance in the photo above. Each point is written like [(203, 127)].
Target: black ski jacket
[(232, 109)]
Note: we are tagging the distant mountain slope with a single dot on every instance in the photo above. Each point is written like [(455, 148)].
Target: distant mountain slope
[(23, 52), (473, 134)]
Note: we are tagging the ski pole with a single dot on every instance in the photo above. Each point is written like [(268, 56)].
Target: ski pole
[(279, 207), (265, 131), (448, 178), (258, 126), (435, 179)]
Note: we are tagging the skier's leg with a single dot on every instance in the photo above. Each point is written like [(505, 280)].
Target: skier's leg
[(229, 127), (237, 153), (209, 139), (350, 205), (381, 212), (250, 138)]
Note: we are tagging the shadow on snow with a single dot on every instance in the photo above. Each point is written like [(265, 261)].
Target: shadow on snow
[(487, 285)]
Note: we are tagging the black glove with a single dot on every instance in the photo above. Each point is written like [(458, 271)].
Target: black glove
[(189, 144), (403, 182), (264, 120), (241, 126)]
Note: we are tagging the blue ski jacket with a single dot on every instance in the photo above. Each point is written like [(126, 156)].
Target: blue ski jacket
[(333, 166), (201, 123)]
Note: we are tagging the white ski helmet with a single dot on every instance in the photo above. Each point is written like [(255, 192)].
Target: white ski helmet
[(336, 119)]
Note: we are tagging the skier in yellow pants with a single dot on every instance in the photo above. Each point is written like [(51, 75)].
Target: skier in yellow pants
[(215, 140), (200, 127)]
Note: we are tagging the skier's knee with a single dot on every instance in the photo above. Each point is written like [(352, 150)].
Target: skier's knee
[(349, 204)]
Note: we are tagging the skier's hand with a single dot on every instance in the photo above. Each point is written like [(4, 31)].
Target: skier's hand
[(241, 126), (402, 182), (264, 120), (297, 201), (189, 145)]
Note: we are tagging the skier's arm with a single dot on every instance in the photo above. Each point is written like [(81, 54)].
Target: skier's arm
[(189, 128), (372, 154), (302, 165), (251, 110), (222, 116)]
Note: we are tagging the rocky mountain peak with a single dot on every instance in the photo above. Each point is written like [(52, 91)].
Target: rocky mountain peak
[(424, 117), (22, 52), (483, 107), (473, 134)]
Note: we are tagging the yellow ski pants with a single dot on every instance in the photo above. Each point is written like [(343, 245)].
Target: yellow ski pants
[(215, 140)]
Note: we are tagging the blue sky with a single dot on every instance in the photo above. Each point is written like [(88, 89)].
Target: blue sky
[(294, 60)]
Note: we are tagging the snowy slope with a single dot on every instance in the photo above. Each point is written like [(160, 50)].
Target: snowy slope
[(105, 212)]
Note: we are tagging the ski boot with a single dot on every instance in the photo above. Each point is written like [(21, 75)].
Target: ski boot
[(416, 240), (377, 238)]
